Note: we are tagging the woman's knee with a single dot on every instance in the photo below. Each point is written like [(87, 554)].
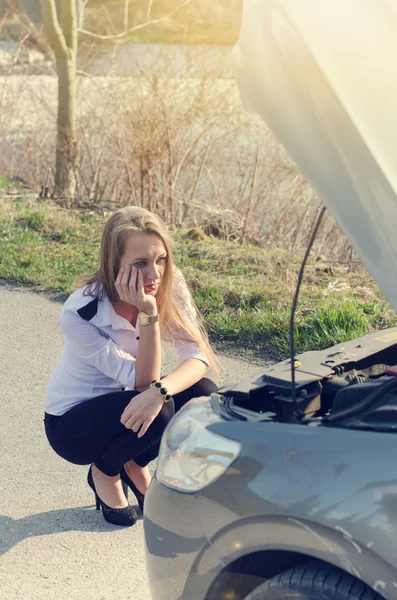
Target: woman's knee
[(164, 416), (204, 387)]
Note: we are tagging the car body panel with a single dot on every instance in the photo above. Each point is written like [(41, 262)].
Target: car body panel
[(338, 477), (273, 533), (322, 76), (174, 560), (327, 493)]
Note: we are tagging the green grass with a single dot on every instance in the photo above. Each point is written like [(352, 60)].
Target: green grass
[(42, 250), (158, 36), (4, 182), (244, 293)]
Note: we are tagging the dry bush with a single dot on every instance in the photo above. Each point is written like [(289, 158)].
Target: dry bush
[(182, 147), (15, 23)]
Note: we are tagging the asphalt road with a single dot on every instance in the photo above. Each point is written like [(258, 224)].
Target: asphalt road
[(53, 544)]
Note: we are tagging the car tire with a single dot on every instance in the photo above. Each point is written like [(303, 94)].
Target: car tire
[(313, 582)]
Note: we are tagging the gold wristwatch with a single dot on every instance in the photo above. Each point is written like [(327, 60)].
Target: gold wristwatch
[(145, 319)]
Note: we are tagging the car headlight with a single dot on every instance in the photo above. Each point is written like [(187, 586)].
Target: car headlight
[(191, 457)]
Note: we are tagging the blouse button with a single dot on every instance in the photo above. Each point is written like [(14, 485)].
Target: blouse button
[(137, 338)]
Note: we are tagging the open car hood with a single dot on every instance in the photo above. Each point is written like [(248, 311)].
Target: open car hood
[(322, 74)]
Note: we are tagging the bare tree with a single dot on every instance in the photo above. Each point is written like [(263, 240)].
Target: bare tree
[(63, 42), (63, 37)]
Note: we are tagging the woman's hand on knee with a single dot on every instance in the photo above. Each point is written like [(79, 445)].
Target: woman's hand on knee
[(140, 413)]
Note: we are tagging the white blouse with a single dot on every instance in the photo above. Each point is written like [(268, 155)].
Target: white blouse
[(99, 352)]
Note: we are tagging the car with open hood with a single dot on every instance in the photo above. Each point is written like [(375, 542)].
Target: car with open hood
[(283, 486)]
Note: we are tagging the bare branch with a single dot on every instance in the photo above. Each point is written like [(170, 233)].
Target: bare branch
[(52, 27), (108, 18), (6, 13), (126, 8), (190, 148), (248, 213), (187, 205), (90, 77), (149, 10), (69, 23), (120, 36)]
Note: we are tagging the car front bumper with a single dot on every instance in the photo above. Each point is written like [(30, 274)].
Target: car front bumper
[(180, 562)]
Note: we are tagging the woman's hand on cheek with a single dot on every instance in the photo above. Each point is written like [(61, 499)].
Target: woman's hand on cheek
[(129, 286), (140, 413)]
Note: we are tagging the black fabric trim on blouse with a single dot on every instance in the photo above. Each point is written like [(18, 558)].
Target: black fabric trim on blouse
[(89, 311)]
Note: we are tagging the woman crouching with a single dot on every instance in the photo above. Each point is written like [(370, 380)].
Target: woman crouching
[(107, 404)]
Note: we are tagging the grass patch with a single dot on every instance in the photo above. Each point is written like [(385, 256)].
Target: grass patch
[(243, 292), (4, 182), (46, 248), (216, 37)]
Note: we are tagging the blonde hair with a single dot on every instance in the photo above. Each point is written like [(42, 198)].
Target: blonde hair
[(173, 320)]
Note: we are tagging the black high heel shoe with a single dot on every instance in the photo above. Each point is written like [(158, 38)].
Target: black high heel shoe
[(126, 479), (117, 516)]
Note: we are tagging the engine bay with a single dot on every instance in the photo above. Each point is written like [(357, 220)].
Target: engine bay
[(350, 385)]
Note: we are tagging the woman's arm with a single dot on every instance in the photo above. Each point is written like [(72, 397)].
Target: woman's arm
[(129, 286), (187, 374), (193, 362), (140, 413), (148, 358)]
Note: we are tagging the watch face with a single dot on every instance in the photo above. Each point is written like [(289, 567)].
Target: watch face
[(143, 318)]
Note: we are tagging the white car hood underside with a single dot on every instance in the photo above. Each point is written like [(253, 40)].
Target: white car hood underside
[(323, 75)]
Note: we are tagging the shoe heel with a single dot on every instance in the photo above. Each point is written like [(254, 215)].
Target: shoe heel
[(125, 489), (126, 480), (117, 516)]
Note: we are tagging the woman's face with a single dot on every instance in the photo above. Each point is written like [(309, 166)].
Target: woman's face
[(146, 252)]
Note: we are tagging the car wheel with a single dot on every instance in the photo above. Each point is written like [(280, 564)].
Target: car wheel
[(318, 582)]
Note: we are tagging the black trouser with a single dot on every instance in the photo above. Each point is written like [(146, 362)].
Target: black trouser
[(91, 432)]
